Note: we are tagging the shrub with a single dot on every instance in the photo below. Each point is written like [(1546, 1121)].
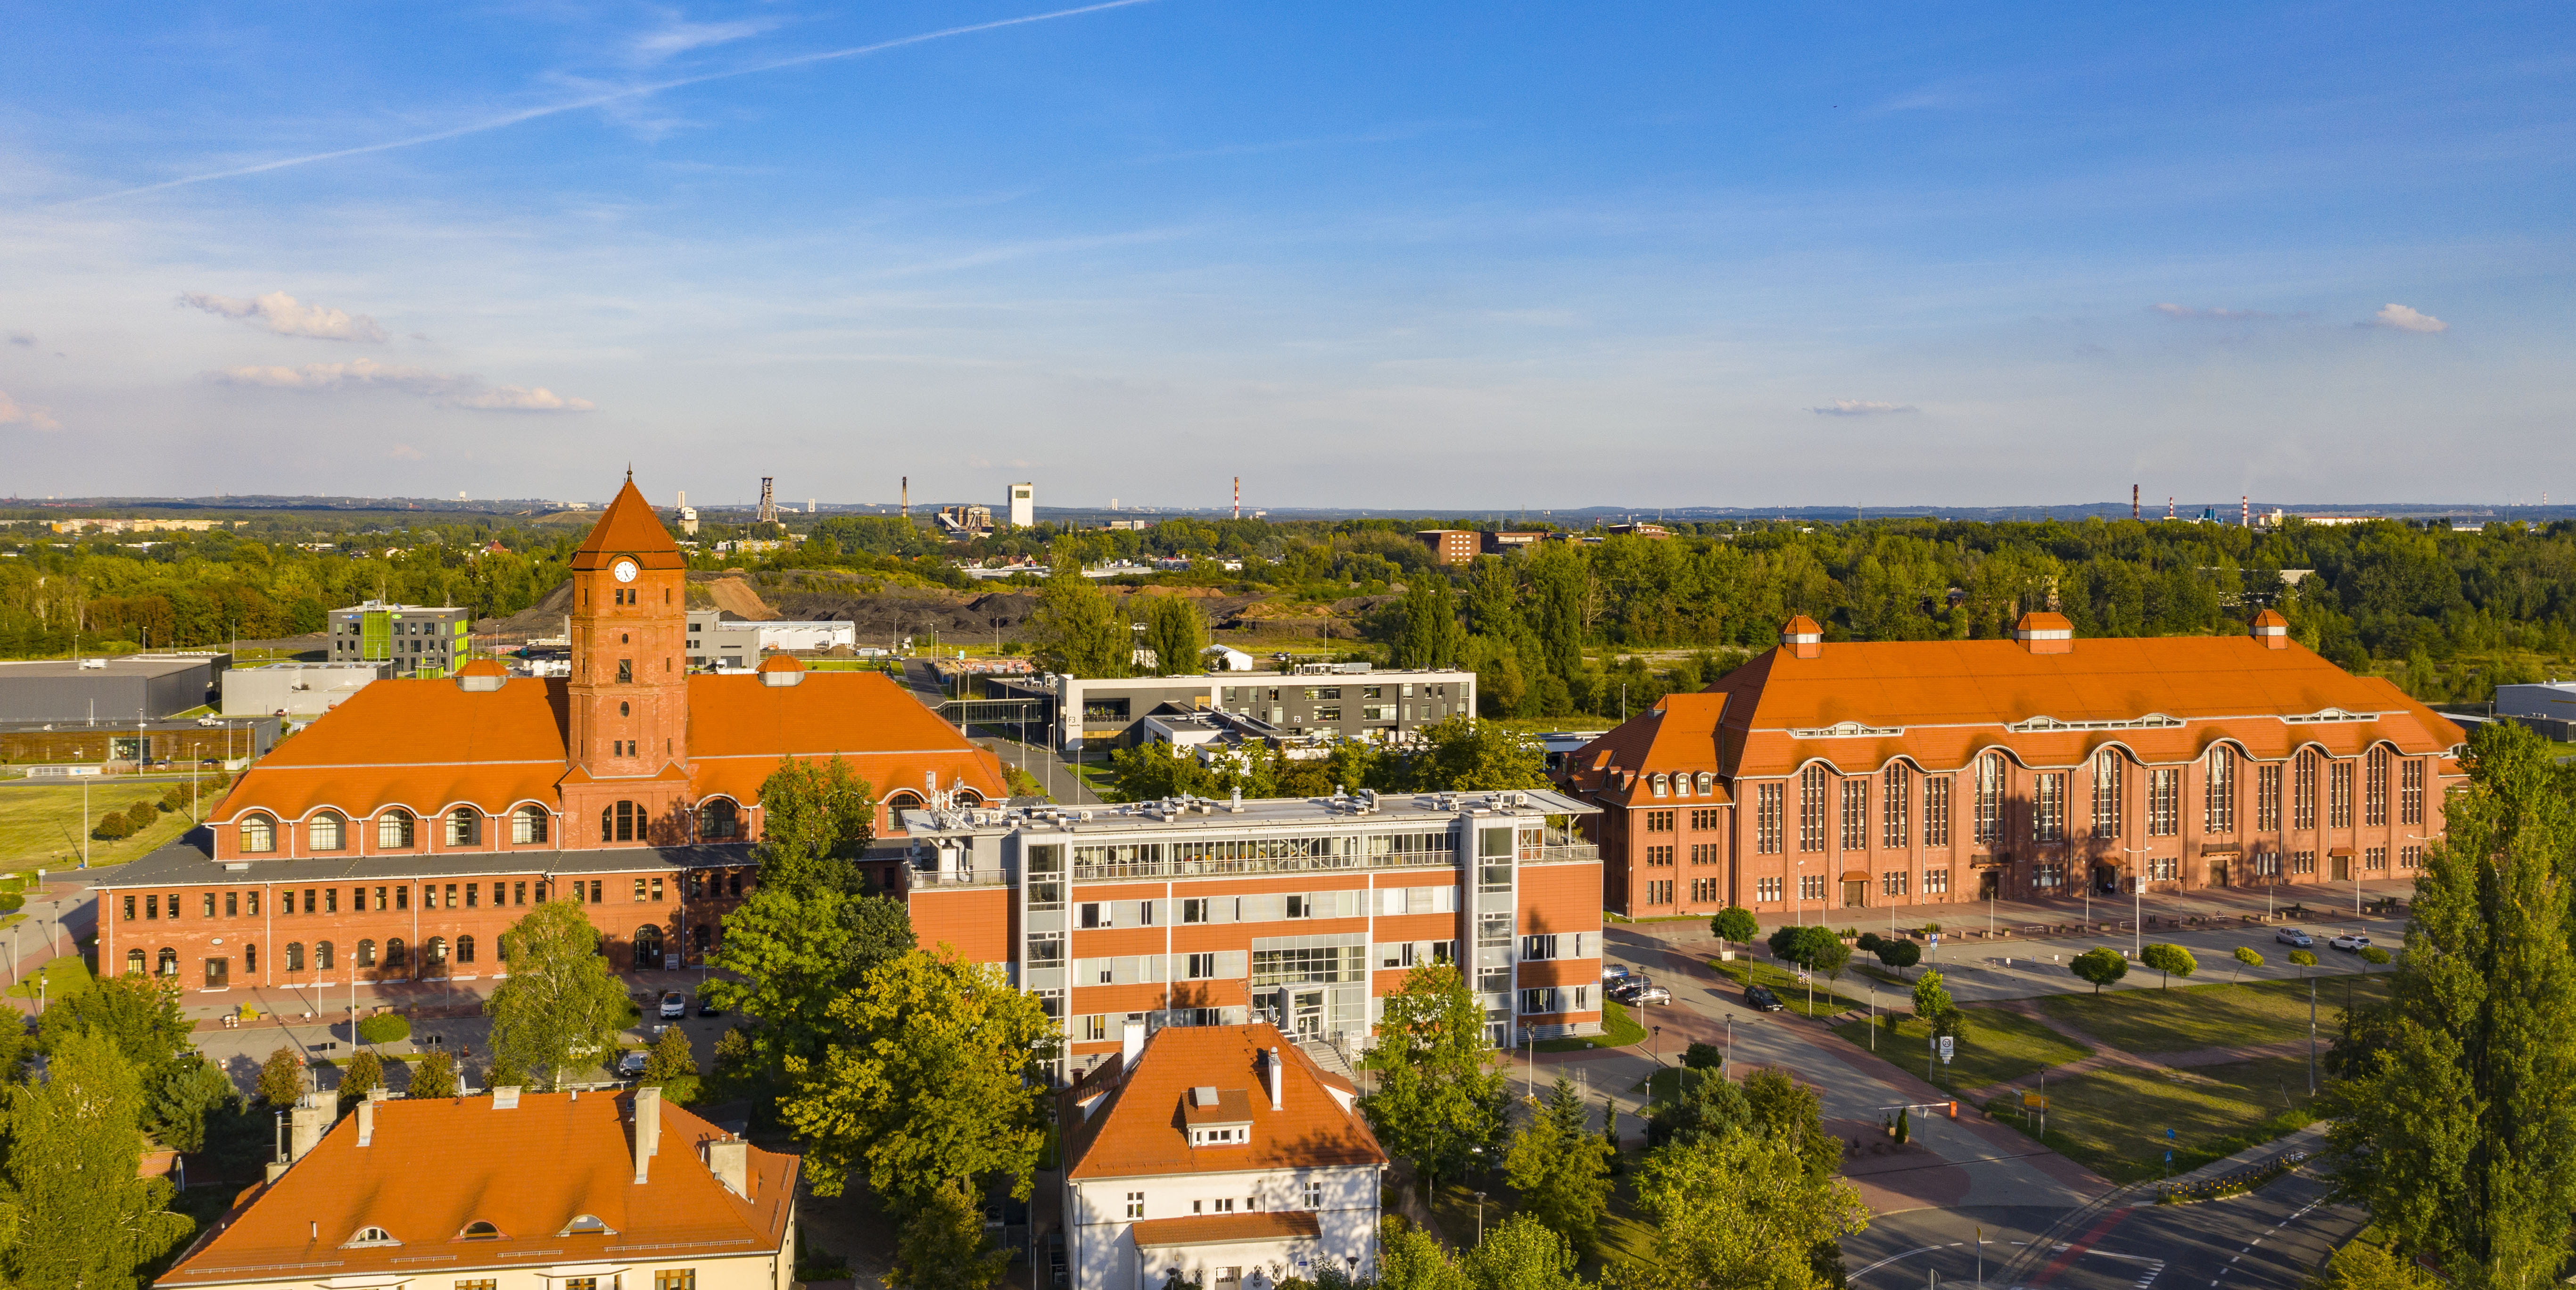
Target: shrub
[(1868, 943), (2099, 965), (1703, 1057), (139, 817), (1899, 954), (365, 1071), (281, 1077), (434, 1077), (174, 799), (384, 1028), (112, 827), (11, 902), (2172, 960)]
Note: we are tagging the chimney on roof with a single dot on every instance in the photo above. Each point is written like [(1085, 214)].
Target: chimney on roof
[(648, 1130), (367, 1122), (2045, 633), (1131, 1047), (1275, 1078), (2271, 630), (729, 1159), (1802, 638), (305, 1125)]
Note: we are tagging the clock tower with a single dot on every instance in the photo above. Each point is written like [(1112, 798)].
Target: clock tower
[(627, 735)]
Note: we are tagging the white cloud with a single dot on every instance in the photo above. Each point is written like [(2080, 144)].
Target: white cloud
[(679, 37), (2220, 315), (29, 415), (455, 390), (1860, 408), (288, 318), (2400, 318)]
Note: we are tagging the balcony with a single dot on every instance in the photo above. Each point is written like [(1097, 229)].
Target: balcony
[(960, 878), (1566, 853)]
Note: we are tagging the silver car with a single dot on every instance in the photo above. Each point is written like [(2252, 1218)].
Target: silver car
[(2293, 936)]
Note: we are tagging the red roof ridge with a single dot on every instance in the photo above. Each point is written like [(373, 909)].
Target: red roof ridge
[(629, 528)]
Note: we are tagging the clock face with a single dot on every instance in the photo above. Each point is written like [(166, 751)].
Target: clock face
[(625, 571)]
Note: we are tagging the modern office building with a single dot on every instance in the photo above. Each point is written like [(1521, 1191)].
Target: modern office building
[(297, 690), (1216, 1156), (716, 641), (416, 639), (508, 1190), (1845, 776), (1344, 700), (83, 691), (1298, 912)]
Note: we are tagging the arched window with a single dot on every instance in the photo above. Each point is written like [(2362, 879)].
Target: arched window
[(326, 831), (479, 1231), (528, 824), (394, 829), (717, 819), (1707, 782), (134, 962), (259, 832), (1661, 785), (969, 797), (2107, 796), (433, 953), (464, 827), (395, 959), (373, 1236), (322, 956), (366, 954), (585, 1225), (648, 947), (623, 822), (464, 949), (295, 956), (168, 963)]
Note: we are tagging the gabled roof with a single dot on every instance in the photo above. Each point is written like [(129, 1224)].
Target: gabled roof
[(1138, 1129), (629, 527), (432, 1167), (1678, 736)]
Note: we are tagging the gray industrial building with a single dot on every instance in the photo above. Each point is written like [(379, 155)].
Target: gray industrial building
[(718, 641), (1345, 700), (299, 690), (109, 690)]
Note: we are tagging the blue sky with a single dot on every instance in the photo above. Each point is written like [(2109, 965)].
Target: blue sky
[(1425, 255)]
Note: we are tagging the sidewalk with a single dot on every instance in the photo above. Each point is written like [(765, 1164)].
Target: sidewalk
[(2311, 1139)]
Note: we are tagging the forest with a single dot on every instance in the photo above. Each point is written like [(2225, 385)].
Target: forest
[(1556, 630)]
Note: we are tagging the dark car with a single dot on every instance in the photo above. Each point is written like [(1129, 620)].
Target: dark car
[(1760, 999), (1627, 988), (707, 1007)]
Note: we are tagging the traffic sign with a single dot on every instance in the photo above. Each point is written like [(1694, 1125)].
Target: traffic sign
[(1946, 1041), (2034, 1101)]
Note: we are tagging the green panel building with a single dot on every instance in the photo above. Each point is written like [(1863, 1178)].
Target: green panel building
[(419, 640)]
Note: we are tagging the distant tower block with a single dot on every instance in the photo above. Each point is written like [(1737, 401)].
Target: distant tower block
[(907, 497), (1022, 507), (809, 505), (688, 516), (768, 501)]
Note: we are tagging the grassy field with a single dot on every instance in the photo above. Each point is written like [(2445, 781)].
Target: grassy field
[(2211, 1016), (63, 976), (2114, 1120), (1618, 1030), (1999, 1046), (1792, 991), (42, 827)]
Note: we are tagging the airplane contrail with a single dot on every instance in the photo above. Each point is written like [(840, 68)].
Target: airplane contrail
[(575, 105)]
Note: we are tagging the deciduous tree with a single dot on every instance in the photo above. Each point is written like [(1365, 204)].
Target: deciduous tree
[(281, 1077), (1431, 636), (1734, 924), (365, 1072), (434, 1077), (1440, 1088), (1561, 1168), (672, 1067), (82, 1219), (1076, 630), (1522, 1253), (1740, 1210), (2099, 965), (943, 1247), (560, 1007), (2247, 956), (1176, 634), (2172, 960), (1460, 754)]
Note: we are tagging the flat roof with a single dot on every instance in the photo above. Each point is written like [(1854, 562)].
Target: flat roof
[(1253, 812), (141, 665)]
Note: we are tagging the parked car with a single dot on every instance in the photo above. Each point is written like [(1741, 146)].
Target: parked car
[(1630, 988), (2351, 942), (707, 1006), (1760, 999), (1648, 993), (1613, 973), (675, 1005), (631, 1066), (2293, 936)]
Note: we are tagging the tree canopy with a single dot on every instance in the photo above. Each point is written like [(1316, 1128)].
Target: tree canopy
[(560, 1010), (1440, 1090)]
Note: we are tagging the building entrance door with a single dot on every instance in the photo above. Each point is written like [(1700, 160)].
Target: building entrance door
[(2343, 868), (2218, 873), (219, 973), (1989, 883), (1306, 1014), (1855, 893)]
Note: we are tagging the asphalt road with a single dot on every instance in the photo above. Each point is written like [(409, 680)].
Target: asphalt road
[(2270, 1239)]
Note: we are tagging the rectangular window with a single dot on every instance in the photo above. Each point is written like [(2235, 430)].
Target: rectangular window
[(1855, 814), (1328, 713), (1936, 882), (2048, 808), (402, 898), (1766, 819), (1766, 889), (2164, 802), (2108, 798), (1314, 1195), (1936, 811), (1537, 948), (486, 1283), (2339, 796), (2218, 813), (2410, 858), (331, 900), (2374, 788), (639, 891), (1199, 967), (1704, 853), (1811, 887), (1706, 820), (210, 904), (1659, 821), (1893, 882), (2303, 792), (518, 893), (594, 892), (173, 904), (1659, 892), (232, 904), (2374, 859), (2164, 868), (1990, 798), (1704, 891), (1894, 791), (2303, 862), (1811, 809), (474, 894), (2410, 792), (675, 1279), (2267, 799), (1135, 1204), (1659, 857)]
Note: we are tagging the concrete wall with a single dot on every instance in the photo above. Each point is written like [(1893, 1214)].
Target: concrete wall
[(298, 689)]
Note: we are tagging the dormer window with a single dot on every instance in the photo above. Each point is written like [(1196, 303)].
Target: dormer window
[(479, 1231), (1223, 1135), (1661, 786), (586, 1225), (368, 1237)]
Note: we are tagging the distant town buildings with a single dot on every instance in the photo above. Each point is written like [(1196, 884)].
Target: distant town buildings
[(1021, 506), (142, 526), (1451, 546)]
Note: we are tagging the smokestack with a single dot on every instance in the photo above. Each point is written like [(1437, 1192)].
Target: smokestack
[(2169, 506), (648, 1130), (1274, 1078), (1238, 497), (2245, 510), (2133, 501), (907, 497)]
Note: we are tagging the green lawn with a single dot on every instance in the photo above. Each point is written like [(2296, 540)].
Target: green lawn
[(2210, 1016), (1618, 1030), (1999, 1046), (63, 976), (41, 827), (2113, 1120), (1793, 992)]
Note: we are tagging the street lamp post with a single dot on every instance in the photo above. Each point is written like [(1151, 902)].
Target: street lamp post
[(2137, 907)]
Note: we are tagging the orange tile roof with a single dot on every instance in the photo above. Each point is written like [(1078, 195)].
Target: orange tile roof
[(432, 1167), (1227, 1229), (629, 527), (430, 745), (1137, 1129), (1859, 705)]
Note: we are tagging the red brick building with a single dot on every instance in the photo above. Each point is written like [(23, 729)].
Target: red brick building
[(402, 832), (1450, 546), (1851, 776)]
